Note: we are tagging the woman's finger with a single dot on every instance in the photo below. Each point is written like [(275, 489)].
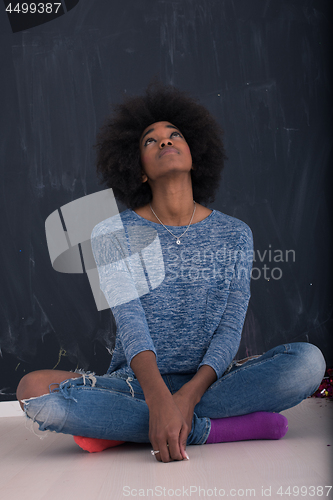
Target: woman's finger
[(174, 449), (164, 455), (182, 443), (156, 453)]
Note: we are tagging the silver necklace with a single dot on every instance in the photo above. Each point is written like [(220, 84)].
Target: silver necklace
[(177, 237)]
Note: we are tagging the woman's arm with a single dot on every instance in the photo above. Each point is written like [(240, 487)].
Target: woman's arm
[(225, 342), (168, 429), (191, 393), (120, 275)]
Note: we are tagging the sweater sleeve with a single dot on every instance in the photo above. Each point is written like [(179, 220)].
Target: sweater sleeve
[(226, 338), (122, 280)]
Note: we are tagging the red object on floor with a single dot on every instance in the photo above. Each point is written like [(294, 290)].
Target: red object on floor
[(325, 390), (94, 445)]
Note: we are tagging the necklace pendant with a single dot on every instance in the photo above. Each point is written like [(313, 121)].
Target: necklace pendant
[(178, 241)]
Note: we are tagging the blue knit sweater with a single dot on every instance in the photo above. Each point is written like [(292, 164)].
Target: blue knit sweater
[(186, 302)]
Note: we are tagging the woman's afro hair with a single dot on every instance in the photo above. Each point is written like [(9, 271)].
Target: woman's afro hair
[(118, 154)]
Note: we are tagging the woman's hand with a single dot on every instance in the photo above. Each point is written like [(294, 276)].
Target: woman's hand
[(168, 430), (190, 393)]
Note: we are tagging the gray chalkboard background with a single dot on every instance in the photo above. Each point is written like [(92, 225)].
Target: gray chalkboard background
[(260, 66)]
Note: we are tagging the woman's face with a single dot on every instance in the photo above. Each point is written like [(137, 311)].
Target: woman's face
[(163, 151)]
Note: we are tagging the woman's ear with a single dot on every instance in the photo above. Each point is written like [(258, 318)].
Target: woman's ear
[(144, 177)]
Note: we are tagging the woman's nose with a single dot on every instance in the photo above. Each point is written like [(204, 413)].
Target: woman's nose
[(165, 142)]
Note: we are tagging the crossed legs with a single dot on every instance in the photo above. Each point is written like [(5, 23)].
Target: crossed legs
[(113, 407)]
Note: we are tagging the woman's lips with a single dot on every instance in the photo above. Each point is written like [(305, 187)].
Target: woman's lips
[(167, 151)]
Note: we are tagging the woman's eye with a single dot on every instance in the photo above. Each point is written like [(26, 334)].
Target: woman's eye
[(148, 141), (176, 133)]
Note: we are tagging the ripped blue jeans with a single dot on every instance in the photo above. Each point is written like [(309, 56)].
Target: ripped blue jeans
[(113, 406)]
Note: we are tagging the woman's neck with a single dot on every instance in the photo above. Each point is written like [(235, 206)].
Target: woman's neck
[(174, 211), (173, 199), (173, 204)]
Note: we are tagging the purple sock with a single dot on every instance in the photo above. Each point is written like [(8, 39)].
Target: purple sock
[(259, 425)]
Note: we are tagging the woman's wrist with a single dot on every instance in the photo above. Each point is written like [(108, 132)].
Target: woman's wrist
[(198, 385), (157, 395), (190, 393)]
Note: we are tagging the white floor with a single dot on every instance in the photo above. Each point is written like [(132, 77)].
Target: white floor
[(56, 469)]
